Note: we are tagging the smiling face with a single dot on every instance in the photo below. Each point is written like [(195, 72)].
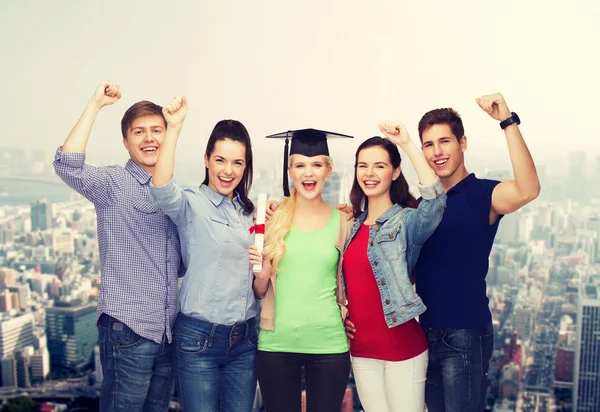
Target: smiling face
[(226, 166), (309, 174), (443, 150), (144, 138), (374, 172)]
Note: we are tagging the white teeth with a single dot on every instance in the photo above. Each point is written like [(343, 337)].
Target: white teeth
[(440, 162), (149, 149), (371, 182), (226, 180)]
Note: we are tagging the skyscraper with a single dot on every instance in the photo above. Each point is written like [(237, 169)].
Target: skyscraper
[(586, 393), (41, 215), (15, 334), (72, 334)]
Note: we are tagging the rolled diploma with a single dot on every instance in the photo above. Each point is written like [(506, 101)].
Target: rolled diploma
[(259, 238)]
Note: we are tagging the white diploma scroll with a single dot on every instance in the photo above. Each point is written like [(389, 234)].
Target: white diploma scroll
[(259, 237)]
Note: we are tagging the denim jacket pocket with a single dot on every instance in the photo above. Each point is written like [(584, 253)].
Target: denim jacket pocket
[(388, 241)]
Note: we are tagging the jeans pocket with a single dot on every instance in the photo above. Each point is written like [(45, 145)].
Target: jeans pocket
[(253, 338), (458, 340), (191, 344), (125, 338)]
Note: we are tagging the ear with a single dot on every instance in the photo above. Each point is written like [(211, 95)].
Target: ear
[(126, 144), (463, 143), (205, 161), (397, 173)]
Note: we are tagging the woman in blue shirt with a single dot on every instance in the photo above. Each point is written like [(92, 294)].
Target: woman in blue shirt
[(215, 334)]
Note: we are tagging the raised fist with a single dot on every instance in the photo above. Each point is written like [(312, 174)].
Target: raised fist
[(107, 93), (175, 111), (395, 132), (494, 105)]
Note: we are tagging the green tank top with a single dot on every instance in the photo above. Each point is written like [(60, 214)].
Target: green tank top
[(307, 316)]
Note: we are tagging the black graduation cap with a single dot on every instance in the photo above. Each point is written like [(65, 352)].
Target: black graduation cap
[(307, 142)]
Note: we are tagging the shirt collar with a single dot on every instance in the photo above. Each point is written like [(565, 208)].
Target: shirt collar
[(217, 198), (462, 184), (136, 171), (395, 208)]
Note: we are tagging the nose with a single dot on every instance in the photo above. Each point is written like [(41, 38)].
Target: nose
[(437, 149), (228, 168), (370, 170), (148, 137)]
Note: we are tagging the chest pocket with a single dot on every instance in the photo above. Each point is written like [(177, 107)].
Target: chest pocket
[(149, 214), (390, 243), (219, 229)]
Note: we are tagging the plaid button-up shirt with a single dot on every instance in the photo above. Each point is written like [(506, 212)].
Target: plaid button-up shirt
[(139, 245)]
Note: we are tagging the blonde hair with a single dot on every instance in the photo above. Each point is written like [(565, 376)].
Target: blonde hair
[(280, 224)]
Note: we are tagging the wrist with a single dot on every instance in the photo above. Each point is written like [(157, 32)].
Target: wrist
[(95, 105)]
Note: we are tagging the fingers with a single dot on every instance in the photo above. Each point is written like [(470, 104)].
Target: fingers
[(342, 206), (109, 89), (272, 206), (350, 330), (175, 104)]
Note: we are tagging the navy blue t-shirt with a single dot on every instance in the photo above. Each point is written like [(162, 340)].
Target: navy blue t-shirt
[(451, 270)]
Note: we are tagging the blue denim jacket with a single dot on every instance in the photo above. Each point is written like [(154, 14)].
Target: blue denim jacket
[(394, 245)]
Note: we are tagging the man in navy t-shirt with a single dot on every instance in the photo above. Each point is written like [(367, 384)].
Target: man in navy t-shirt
[(451, 271)]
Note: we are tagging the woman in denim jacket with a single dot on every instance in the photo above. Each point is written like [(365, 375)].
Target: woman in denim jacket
[(388, 346)]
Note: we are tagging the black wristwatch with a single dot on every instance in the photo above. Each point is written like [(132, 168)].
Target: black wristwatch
[(512, 119)]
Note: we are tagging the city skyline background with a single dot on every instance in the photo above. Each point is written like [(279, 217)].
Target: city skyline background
[(340, 66)]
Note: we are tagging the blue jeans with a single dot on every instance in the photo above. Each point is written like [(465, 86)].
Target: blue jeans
[(457, 369), (137, 371), (215, 365)]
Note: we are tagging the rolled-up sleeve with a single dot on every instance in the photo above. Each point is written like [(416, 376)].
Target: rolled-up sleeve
[(92, 182), (425, 219), (172, 200)]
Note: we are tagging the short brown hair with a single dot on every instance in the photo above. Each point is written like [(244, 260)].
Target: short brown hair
[(139, 109), (442, 116)]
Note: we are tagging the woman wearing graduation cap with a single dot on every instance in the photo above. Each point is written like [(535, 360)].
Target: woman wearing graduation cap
[(388, 346), (215, 335), (304, 302)]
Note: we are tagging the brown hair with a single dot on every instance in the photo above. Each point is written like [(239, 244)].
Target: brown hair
[(399, 192), (442, 116), (139, 109)]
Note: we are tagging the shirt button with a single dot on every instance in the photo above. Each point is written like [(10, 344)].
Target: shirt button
[(376, 263), (391, 236), (371, 242), (387, 301), (377, 228), (383, 282), (394, 319)]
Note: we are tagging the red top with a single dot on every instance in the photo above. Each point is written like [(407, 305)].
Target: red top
[(373, 338)]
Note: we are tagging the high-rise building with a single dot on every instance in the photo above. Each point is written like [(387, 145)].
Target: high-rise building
[(9, 372), (8, 278), (98, 367), (40, 365), (41, 215), (586, 392), (72, 334), (15, 334)]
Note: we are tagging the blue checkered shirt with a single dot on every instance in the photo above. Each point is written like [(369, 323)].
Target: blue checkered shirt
[(139, 245)]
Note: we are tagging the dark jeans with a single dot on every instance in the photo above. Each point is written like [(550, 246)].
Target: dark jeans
[(458, 368), (137, 371), (215, 365), (280, 380)]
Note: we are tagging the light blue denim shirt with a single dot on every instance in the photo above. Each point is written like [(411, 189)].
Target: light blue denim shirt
[(395, 242), (215, 238)]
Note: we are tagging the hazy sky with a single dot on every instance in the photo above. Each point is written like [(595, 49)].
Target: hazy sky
[(278, 65)]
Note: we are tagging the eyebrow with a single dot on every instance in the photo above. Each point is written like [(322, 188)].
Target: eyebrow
[(234, 160), (376, 163)]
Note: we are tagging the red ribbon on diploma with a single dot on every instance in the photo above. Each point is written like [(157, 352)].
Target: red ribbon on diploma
[(258, 229)]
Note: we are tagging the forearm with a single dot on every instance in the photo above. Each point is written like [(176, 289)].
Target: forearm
[(163, 172), (424, 172), (526, 178), (77, 139), (260, 287)]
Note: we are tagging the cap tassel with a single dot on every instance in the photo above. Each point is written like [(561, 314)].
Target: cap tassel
[(286, 185)]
